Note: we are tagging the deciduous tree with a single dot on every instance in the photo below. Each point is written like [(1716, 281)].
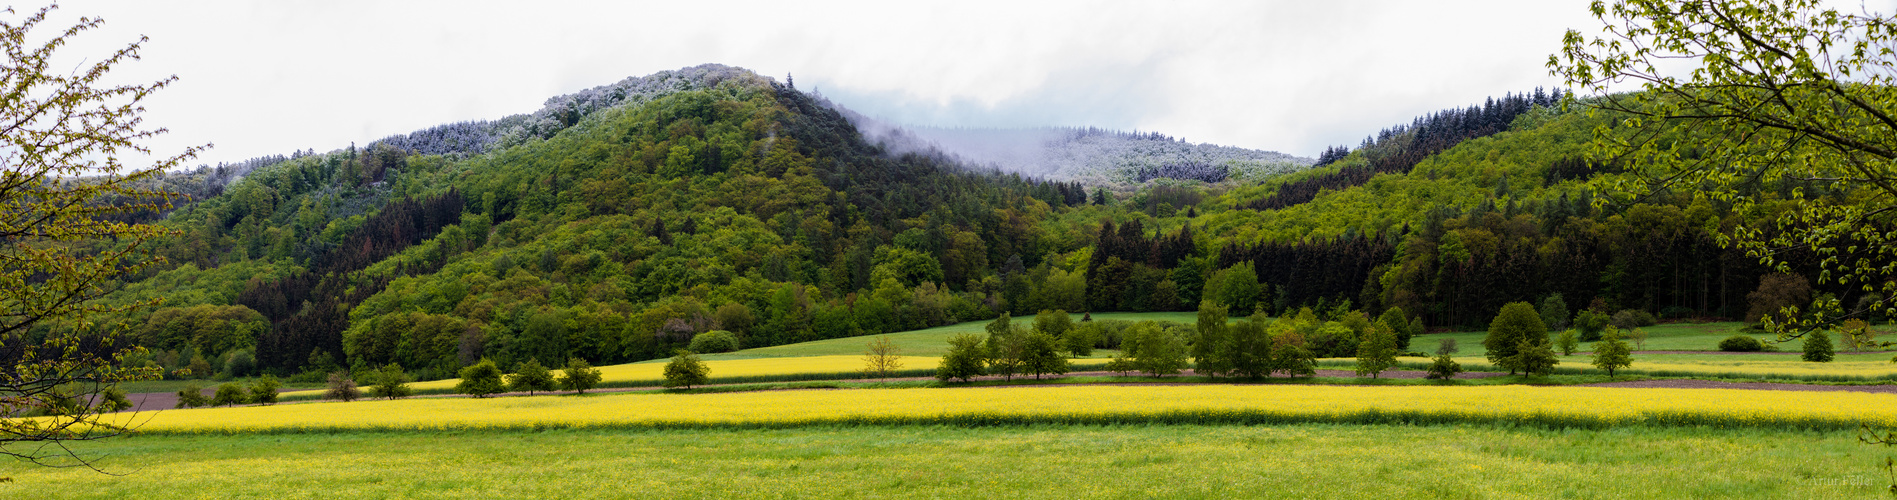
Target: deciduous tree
[(685, 370), (578, 376), (481, 380), (530, 376)]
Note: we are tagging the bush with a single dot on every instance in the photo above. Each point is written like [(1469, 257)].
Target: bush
[(481, 380), (1628, 319), (1590, 322), (391, 382), (1818, 347), (530, 376), (229, 395), (1568, 341), (240, 363), (342, 387), (967, 358), (1741, 343), (1444, 368), (686, 370), (192, 396), (264, 390), (113, 399), (579, 376), (714, 341)]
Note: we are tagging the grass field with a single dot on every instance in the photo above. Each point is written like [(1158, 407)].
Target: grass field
[(1180, 461), (1584, 407), (1666, 337)]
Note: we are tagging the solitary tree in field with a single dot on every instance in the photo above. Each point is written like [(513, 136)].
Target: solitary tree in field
[(62, 244), (686, 370), (481, 380), (578, 376), (192, 396), (1515, 326), (967, 358), (530, 376), (341, 387), (264, 390), (1611, 352), (1377, 351), (882, 359), (391, 382), (230, 394)]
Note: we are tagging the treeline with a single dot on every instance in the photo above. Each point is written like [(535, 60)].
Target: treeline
[(1397, 149)]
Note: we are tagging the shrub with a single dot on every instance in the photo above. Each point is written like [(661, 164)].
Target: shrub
[(1818, 347), (579, 375), (113, 399), (229, 395), (714, 341), (530, 376), (1628, 319), (481, 380), (192, 396), (1568, 341), (1444, 367), (1515, 326), (342, 387), (686, 370), (1741, 343), (391, 382), (264, 390), (240, 363), (1590, 322), (967, 358)]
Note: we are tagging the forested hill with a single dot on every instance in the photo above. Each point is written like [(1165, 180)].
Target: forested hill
[(1090, 155), (618, 223)]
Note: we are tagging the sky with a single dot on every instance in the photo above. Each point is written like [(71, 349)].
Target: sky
[(260, 78)]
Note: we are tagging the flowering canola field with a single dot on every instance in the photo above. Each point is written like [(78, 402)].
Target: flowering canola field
[(1588, 407), (1790, 368)]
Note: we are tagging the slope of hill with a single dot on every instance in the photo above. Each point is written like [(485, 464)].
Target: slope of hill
[(1090, 155)]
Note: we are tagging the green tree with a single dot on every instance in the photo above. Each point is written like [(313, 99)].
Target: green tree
[(1040, 354), (530, 376), (1443, 367), (579, 376), (264, 390), (1212, 350), (1080, 340), (1818, 348), (966, 358), (1155, 349), (1290, 356), (1515, 326), (1399, 323), (1055, 323), (1590, 323), (1568, 342), (1554, 310), (685, 370), (391, 382), (481, 380), (68, 138), (1249, 350), (1611, 352), (1377, 351), (1533, 358), (1784, 91), (341, 387), (1007, 352), (192, 396), (230, 394), (714, 341)]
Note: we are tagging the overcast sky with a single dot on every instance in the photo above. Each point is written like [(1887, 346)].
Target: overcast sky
[(260, 78)]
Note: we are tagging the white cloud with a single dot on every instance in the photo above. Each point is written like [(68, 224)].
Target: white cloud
[(1294, 76)]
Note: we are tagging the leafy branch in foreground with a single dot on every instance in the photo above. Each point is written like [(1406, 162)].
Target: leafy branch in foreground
[(63, 185)]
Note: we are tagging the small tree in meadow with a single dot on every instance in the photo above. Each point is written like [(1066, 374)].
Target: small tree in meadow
[(1639, 336), (192, 396), (1515, 326), (1590, 322), (686, 370), (391, 382), (481, 380), (1447, 347), (1443, 367), (1040, 354), (1611, 352), (1554, 310), (1080, 340), (967, 358), (579, 376), (342, 387), (882, 359), (1533, 358), (1377, 351), (230, 394), (1818, 347), (1568, 342), (264, 390), (1006, 353), (530, 376)]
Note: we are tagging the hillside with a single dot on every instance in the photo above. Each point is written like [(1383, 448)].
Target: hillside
[(618, 223), (1090, 155)]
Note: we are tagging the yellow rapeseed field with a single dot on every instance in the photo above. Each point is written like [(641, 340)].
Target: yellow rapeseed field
[(1791, 368), (1591, 407), (653, 372)]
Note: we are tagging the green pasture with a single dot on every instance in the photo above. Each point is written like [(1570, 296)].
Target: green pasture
[(1041, 461)]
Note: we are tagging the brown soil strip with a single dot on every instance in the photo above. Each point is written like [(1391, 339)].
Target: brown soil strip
[(1752, 386)]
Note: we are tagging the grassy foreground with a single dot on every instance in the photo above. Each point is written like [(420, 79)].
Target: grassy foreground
[(1295, 461), (1582, 407)]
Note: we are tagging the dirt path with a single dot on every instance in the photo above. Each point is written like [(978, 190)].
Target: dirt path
[(1749, 386)]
